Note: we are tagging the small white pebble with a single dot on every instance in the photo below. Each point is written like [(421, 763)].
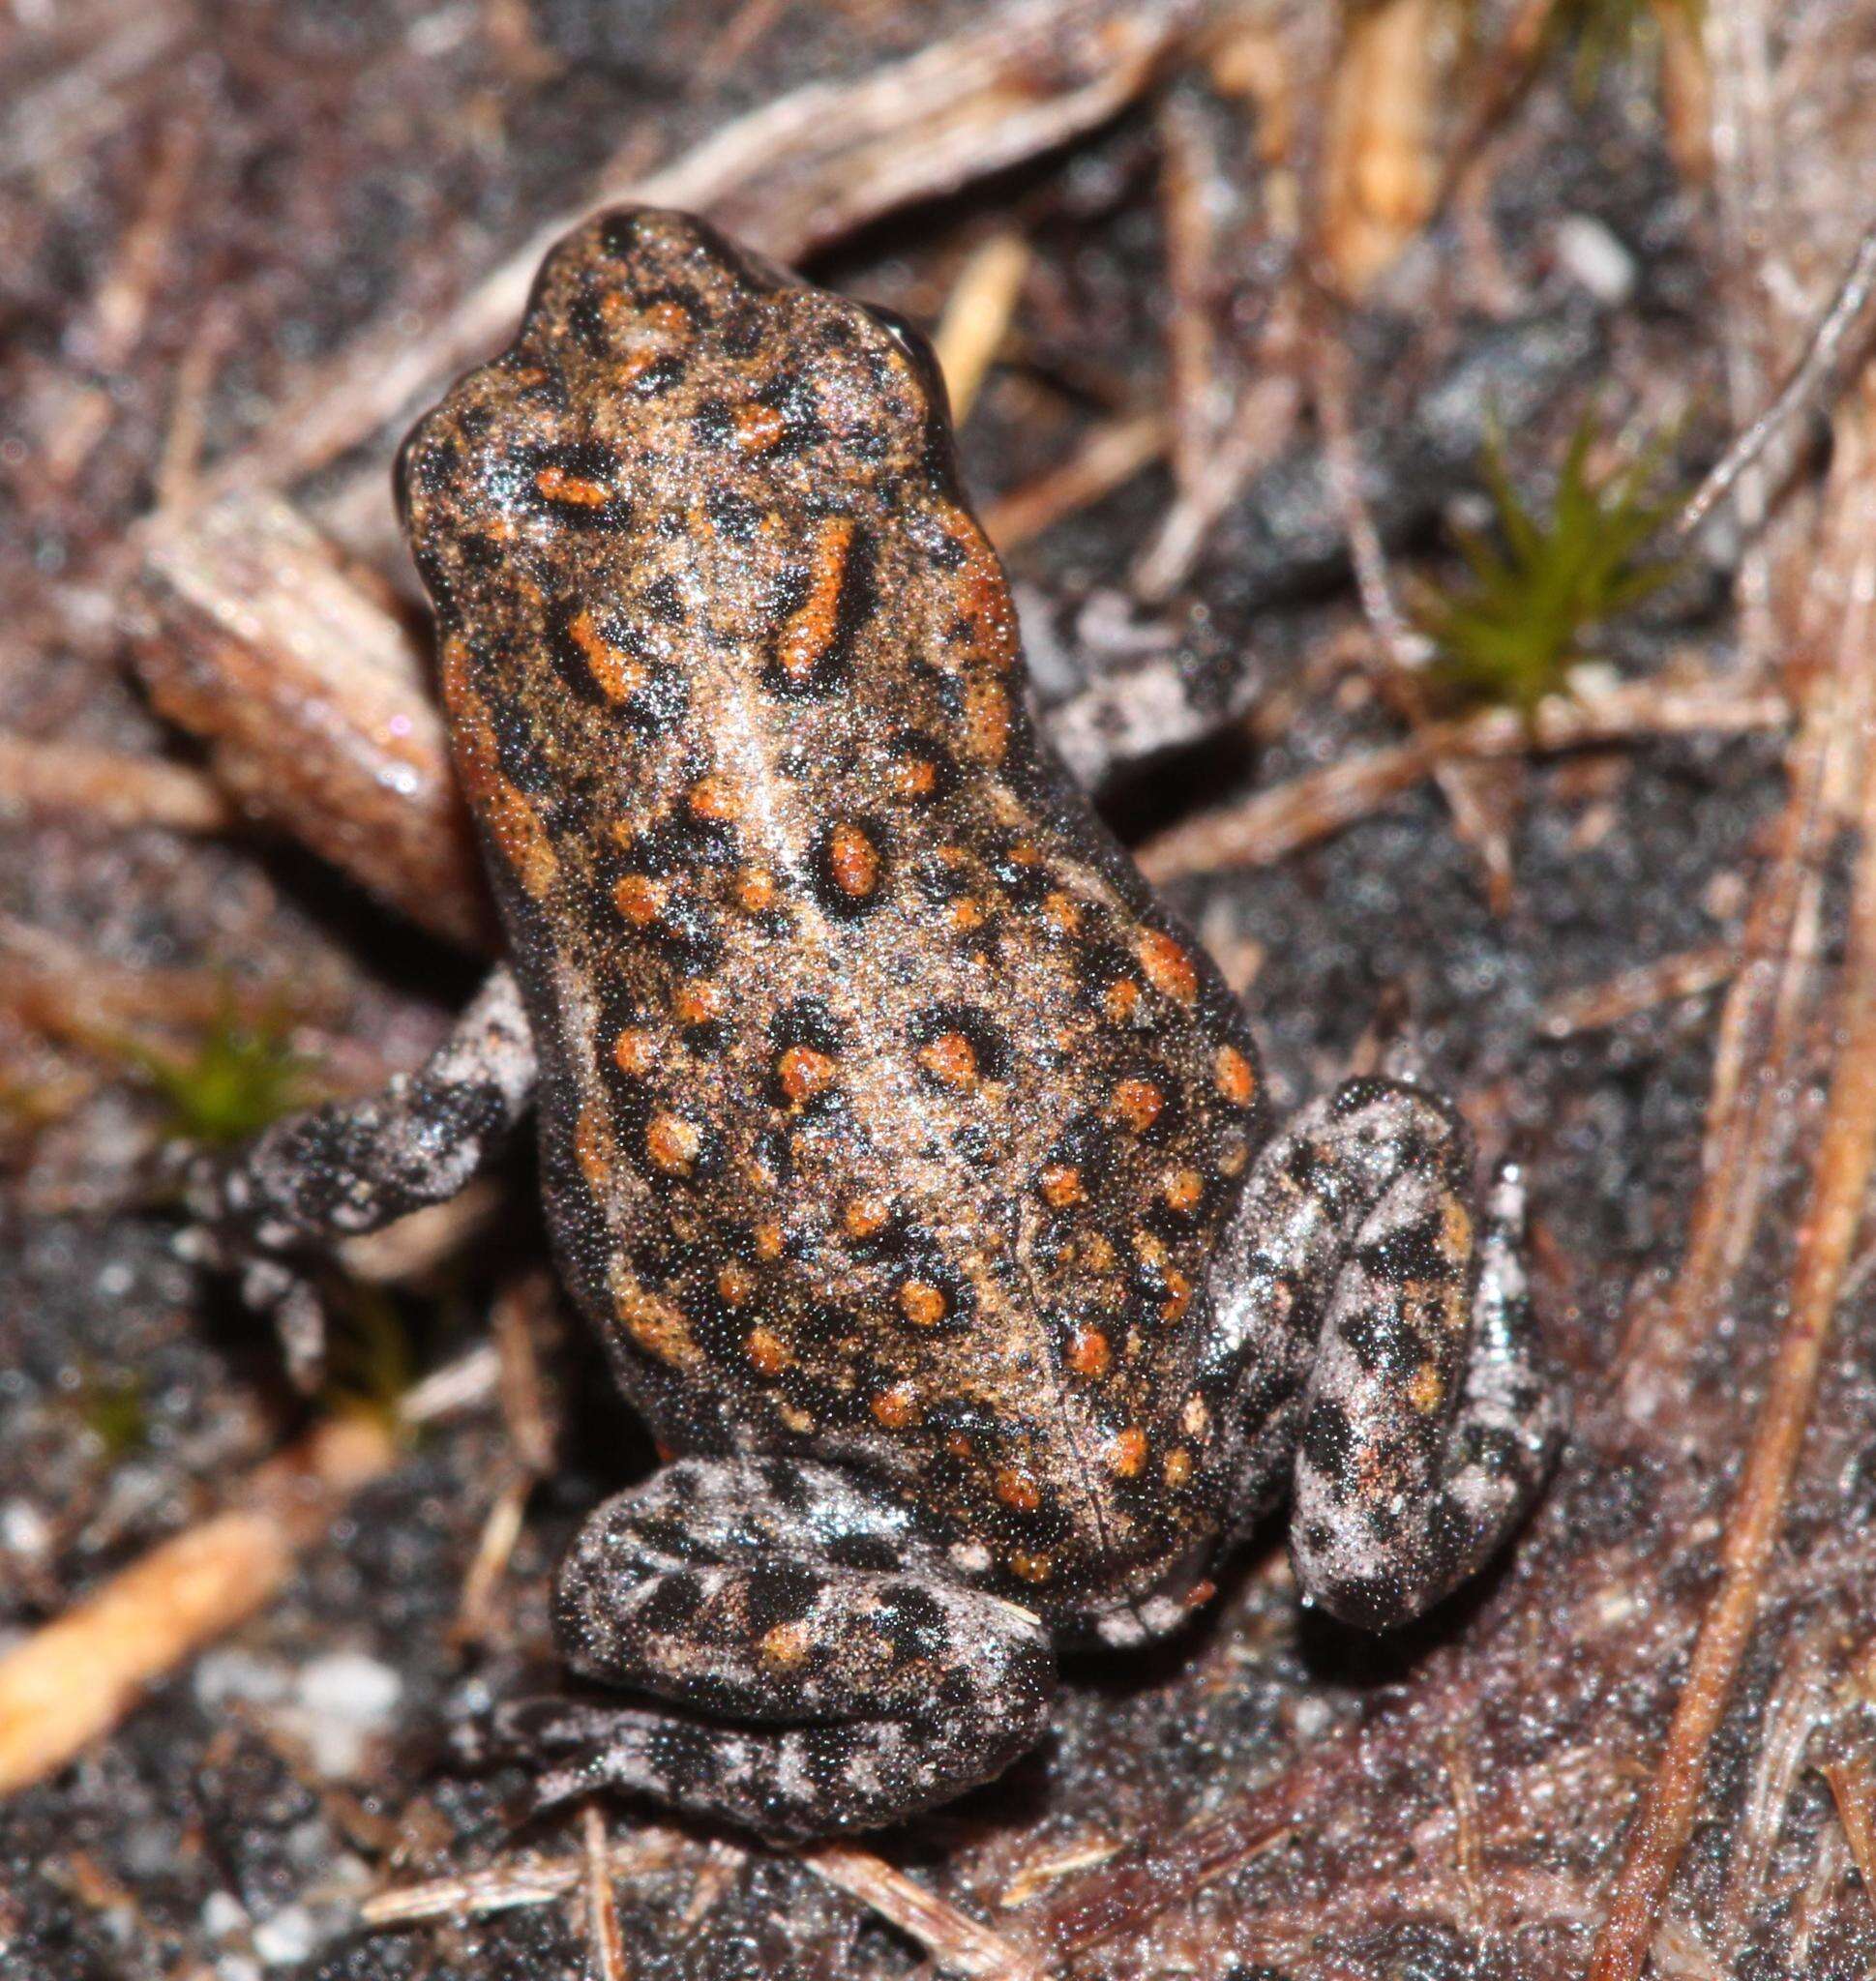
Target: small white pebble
[(224, 1915), (225, 1676), (1589, 252), (285, 1937), (349, 1686), (23, 1530)]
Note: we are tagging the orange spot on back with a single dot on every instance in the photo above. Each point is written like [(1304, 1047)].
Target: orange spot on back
[(1063, 912), (590, 1148), (952, 1058), (987, 717), (866, 1217), (1120, 1001), (557, 486), (1091, 1353), (640, 899), (912, 777), (713, 798), (1018, 1489), (808, 634), (804, 1073), (697, 1002), (1128, 1453), (1169, 968), (922, 1303), (755, 891), (673, 1143), (1138, 1103), (736, 1283), (1184, 1191), (897, 1409), (853, 861), (507, 815), (633, 1051), (656, 1324), (1061, 1186), (766, 1350), (758, 427), (786, 1648), (1236, 1075), (618, 674)]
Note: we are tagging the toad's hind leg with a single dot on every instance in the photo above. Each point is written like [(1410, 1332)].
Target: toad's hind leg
[(824, 1668), (1385, 1337)]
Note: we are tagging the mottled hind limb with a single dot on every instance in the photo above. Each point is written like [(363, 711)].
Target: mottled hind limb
[(815, 1664), (1369, 1325)]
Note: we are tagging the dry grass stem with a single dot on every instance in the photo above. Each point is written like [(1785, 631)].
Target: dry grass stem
[(1840, 1170), (1112, 454), (519, 1882), (977, 315), (1272, 823), (1381, 176), (605, 1948), (1802, 390), (957, 1942), (1647, 988)]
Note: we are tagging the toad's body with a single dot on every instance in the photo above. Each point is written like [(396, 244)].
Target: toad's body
[(910, 1158)]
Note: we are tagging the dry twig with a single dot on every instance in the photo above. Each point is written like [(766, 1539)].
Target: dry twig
[(1839, 1178), (72, 1681), (977, 314), (604, 1947), (1271, 823), (958, 1942)]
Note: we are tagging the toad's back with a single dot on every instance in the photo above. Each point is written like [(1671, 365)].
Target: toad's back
[(883, 1115)]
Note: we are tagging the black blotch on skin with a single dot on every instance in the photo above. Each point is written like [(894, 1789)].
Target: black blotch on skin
[(684, 1754), (1412, 1253), (1381, 1346), (660, 376), (1329, 1443), (672, 1604), (913, 1622), (869, 1553), (780, 1591), (786, 1486), (662, 599), (733, 516)]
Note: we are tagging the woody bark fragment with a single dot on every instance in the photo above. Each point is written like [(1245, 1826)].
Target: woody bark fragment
[(250, 632)]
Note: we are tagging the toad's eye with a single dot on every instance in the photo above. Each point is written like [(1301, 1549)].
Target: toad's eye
[(917, 346)]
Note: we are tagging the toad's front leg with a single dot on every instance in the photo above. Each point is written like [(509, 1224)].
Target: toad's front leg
[(1374, 1341), (270, 1208), (824, 1669)]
